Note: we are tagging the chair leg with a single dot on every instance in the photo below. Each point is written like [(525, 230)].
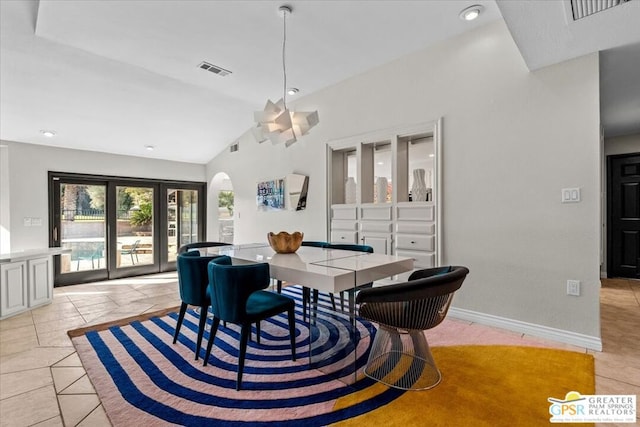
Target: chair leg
[(315, 302), (279, 284), (212, 336), (333, 301), (292, 332), (201, 325), (402, 361), (258, 332), (305, 300), (183, 310), (244, 337)]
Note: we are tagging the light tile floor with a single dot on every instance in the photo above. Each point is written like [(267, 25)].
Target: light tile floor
[(42, 382)]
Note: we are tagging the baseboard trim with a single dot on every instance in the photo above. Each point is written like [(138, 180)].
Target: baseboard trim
[(567, 337)]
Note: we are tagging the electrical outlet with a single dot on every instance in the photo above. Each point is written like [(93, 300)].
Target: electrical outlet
[(573, 287)]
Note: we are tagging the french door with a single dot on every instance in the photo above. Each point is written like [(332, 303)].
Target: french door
[(119, 227)]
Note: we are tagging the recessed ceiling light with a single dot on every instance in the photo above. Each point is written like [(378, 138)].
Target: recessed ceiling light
[(48, 133), (432, 155), (293, 90), (381, 163), (149, 147), (471, 13)]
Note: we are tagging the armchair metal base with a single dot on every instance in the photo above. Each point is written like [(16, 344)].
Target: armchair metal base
[(402, 360)]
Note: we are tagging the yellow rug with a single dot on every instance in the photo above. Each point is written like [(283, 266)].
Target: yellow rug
[(485, 386)]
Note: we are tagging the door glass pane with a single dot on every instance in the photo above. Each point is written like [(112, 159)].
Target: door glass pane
[(182, 218), (134, 229), (82, 227)]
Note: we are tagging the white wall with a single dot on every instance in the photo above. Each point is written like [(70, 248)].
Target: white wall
[(5, 211), (30, 163), (512, 140), (622, 145)]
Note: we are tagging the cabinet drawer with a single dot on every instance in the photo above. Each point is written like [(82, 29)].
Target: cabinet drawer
[(338, 236), (422, 212), (375, 226), (414, 242), (344, 224), (420, 259), (342, 212), (376, 212), (415, 227)]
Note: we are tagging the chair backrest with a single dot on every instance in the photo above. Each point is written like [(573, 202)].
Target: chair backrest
[(231, 285), (420, 303), (314, 244), (191, 246), (350, 247), (193, 277)]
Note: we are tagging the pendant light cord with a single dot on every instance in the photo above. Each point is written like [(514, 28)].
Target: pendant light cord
[(284, 65)]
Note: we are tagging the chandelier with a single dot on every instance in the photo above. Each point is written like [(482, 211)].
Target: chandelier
[(276, 122)]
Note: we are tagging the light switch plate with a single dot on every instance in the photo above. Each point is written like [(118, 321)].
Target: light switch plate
[(571, 195), (573, 287)]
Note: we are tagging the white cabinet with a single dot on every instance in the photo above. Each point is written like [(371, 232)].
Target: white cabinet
[(344, 224), (376, 227), (415, 233), (26, 280), (395, 224), (14, 292)]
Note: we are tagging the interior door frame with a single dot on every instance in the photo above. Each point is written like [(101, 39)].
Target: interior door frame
[(160, 223)]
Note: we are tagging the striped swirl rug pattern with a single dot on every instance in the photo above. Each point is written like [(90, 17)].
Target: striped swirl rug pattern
[(142, 378)]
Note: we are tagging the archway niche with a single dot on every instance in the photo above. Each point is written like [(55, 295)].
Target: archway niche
[(220, 228)]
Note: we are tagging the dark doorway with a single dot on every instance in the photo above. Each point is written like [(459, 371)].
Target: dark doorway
[(623, 177)]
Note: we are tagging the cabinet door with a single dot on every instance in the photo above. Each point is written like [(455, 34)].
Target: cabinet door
[(13, 288), (380, 244), (40, 281)]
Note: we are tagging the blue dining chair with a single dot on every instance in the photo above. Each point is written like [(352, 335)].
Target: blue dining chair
[(193, 281), (351, 292), (238, 296), (199, 245)]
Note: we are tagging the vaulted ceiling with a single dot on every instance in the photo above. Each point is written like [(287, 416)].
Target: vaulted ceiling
[(115, 75)]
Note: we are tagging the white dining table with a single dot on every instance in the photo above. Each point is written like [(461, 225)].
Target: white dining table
[(327, 270)]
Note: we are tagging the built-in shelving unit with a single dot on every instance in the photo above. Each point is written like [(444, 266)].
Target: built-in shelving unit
[(382, 214)]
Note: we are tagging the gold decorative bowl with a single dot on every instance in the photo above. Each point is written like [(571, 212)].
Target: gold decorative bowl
[(285, 243)]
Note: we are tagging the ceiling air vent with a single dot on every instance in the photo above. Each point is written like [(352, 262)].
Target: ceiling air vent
[(584, 8), (214, 69), (234, 147)]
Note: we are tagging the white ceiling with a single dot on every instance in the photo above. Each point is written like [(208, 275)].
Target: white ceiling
[(116, 75)]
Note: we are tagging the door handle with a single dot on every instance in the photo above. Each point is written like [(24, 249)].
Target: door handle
[(55, 234)]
